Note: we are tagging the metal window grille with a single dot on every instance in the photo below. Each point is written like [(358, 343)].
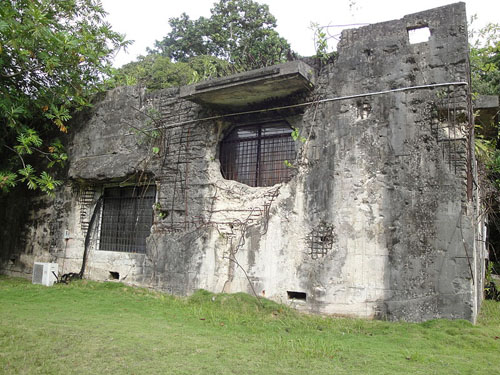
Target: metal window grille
[(255, 155), (127, 216), (320, 241)]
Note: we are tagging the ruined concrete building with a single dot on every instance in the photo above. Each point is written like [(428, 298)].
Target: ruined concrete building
[(341, 187)]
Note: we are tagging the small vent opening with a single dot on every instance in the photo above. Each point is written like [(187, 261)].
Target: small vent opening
[(301, 296), (114, 275), (419, 35)]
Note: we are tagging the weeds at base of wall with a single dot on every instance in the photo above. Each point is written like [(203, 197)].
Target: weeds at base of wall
[(491, 284)]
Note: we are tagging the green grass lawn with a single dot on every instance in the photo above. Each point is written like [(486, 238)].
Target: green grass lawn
[(109, 328)]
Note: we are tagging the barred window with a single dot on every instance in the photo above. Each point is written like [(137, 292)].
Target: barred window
[(127, 216), (256, 155)]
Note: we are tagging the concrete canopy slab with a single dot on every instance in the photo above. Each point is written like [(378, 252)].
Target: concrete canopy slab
[(486, 101), (252, 87)]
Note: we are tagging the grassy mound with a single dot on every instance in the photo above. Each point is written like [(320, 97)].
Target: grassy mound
[(100, 328)]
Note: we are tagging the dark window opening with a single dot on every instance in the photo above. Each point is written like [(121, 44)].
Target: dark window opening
[(114, 275), (257, 155), (296, 295), (127, 216)]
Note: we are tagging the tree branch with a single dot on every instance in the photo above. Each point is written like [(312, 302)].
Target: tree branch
[(18, 154)]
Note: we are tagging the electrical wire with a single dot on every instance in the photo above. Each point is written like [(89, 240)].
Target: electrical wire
[(338, 98)]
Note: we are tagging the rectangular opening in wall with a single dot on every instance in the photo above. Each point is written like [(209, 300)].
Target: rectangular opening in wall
[(419, 34), (127, 216), (256, 155), (300, 296)]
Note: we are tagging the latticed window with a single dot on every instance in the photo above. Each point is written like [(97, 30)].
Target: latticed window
[(127, 216), (257, 155)]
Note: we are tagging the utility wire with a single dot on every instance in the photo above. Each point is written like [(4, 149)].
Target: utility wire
[(217, 117)]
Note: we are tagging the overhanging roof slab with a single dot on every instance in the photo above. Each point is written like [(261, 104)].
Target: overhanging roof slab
[(486, 101), (252, 87)]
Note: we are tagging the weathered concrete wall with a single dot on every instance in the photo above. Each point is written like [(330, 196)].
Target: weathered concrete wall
[(400, 202), (381, 180), (32, 229)]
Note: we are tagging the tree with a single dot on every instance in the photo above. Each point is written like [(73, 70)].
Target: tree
[(185, 40), (156, 71), (53, 58), (241, 32), (485, 61), (485, 75)]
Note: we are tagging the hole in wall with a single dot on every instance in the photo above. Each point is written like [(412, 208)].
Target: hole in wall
[(114, 275), (363, 110), (419, 35), (368, 52), (301, 296), (320, 240)]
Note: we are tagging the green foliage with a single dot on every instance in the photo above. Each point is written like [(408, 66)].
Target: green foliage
[(484, 149), (207, 67), (160, 211), (156, 71), (185, 40), (27, 139), (485, 60), (53, 58), (296, 135), (485, 75), (102, 328), (241, 32), (7, 181), (28, 175), (320, 42), (57, 153), (239, 35), (494, 168), (45, 182)]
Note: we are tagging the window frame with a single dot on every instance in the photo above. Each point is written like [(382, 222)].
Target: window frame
[(126, 218), (254, 164)]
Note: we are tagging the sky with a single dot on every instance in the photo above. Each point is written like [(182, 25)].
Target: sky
[(146, 21)]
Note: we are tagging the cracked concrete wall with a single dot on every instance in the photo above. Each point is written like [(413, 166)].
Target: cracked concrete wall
[(376, 221), (395, 190)]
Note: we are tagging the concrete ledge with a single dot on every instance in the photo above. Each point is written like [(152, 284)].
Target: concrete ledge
[(253, 87), (486, 101)]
